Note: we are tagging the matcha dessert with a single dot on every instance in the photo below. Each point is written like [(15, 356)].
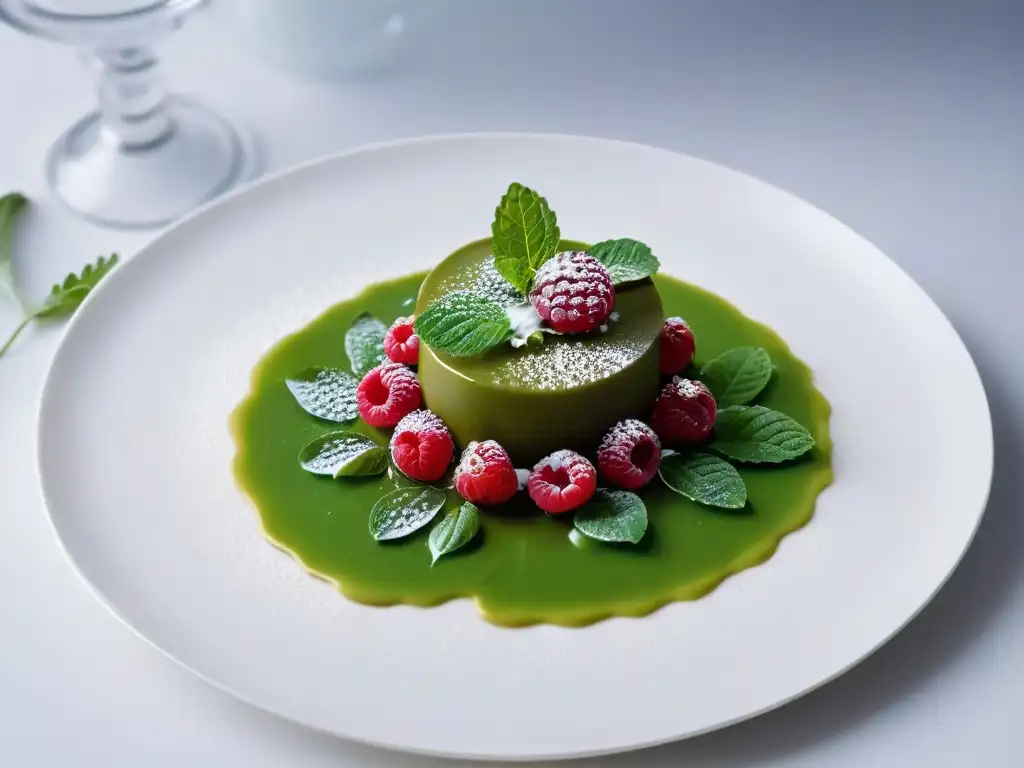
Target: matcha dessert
[(533, 425)]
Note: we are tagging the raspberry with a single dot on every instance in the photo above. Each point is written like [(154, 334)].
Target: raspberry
[(677, 345), (573, 292), (422, 446), (401, 344), (629, 455), (684, 412), (485, 474), (386, 394), (562, 482)]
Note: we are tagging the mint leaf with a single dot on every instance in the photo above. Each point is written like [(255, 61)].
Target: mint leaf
[(613, 516), (455, 531), (463, 324), (364, 343), (327, 393), (525, 235), (11, 205), (404, 511), (65, 298), (627, 260), (753, 433), (736, 377), (705, 479), (343, 454)]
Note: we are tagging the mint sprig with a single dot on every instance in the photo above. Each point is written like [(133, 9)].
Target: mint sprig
[(525, 235), (704, 478), (364, 343), (343, 454), (736, 377), (403, 512), (613, 516), (457, 529), (463, 324), (627, 260), (327, 393), (755, 434)]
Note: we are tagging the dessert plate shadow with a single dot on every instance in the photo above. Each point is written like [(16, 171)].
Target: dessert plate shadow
[(135, 454)]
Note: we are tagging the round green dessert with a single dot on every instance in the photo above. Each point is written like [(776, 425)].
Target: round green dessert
[(534, 400)]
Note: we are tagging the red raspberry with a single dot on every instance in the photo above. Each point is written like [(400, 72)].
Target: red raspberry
[(485, 474), (684, 412), (629, 455), (573, 292), (677, 345), (401, 344), (386, 394), (562, 482), (422, 446)]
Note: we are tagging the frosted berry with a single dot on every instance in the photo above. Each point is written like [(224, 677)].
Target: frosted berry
[(387, 394), (573, 292), (562, 482), (677, 345), (485, 474), (684, 412), (401, 344), (629, 455), (422, 446)]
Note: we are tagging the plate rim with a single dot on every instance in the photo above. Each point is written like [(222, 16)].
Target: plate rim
[(441, 138)]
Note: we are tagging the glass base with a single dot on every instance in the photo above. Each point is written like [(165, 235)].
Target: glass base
[(200, 157)]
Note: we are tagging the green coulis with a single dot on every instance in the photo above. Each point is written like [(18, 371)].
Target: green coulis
[(522, 569)]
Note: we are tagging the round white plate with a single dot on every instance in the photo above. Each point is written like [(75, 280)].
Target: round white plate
[(135, 454)]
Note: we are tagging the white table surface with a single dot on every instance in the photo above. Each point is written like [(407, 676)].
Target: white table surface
[(903, 118)]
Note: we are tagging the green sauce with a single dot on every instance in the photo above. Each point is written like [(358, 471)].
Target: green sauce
[(522, 569)]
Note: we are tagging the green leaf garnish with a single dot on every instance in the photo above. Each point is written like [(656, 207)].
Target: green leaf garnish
[(704, 478), (455, 531), (627, 260), (463, 324), (736, 377), (614, 516), (327, 393), (11, 205), (364, 343), (525, 235), (343, 454), (404, 511), (66, 297), (753, 433)]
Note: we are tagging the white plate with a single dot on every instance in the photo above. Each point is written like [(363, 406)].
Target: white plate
[(135, 455)]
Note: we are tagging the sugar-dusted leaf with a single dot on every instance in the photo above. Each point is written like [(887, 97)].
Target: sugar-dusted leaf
[(65, 298), (704, 478), (525, 235), (11, 206), (364, 343), (456, 530), (614, 516), (627, 260), (327, 393), (404, 511), (463, 324), (343, 454), (736, 377), (757, 434)]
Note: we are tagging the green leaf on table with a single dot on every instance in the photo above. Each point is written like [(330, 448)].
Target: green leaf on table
[(627, 260), (463, 324), (525, 234), (704, 478), (404, 511), (755, 434), (343, 454), (364, 343), (327, 393), (612, 516), (11, 205), (65, 297), (736, 377), (456, 530)]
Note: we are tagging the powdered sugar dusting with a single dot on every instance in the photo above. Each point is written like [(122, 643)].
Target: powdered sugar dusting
[(568, 362), (483, 279), (421, 421)]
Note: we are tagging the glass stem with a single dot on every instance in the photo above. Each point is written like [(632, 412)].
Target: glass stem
[(132, 98)]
